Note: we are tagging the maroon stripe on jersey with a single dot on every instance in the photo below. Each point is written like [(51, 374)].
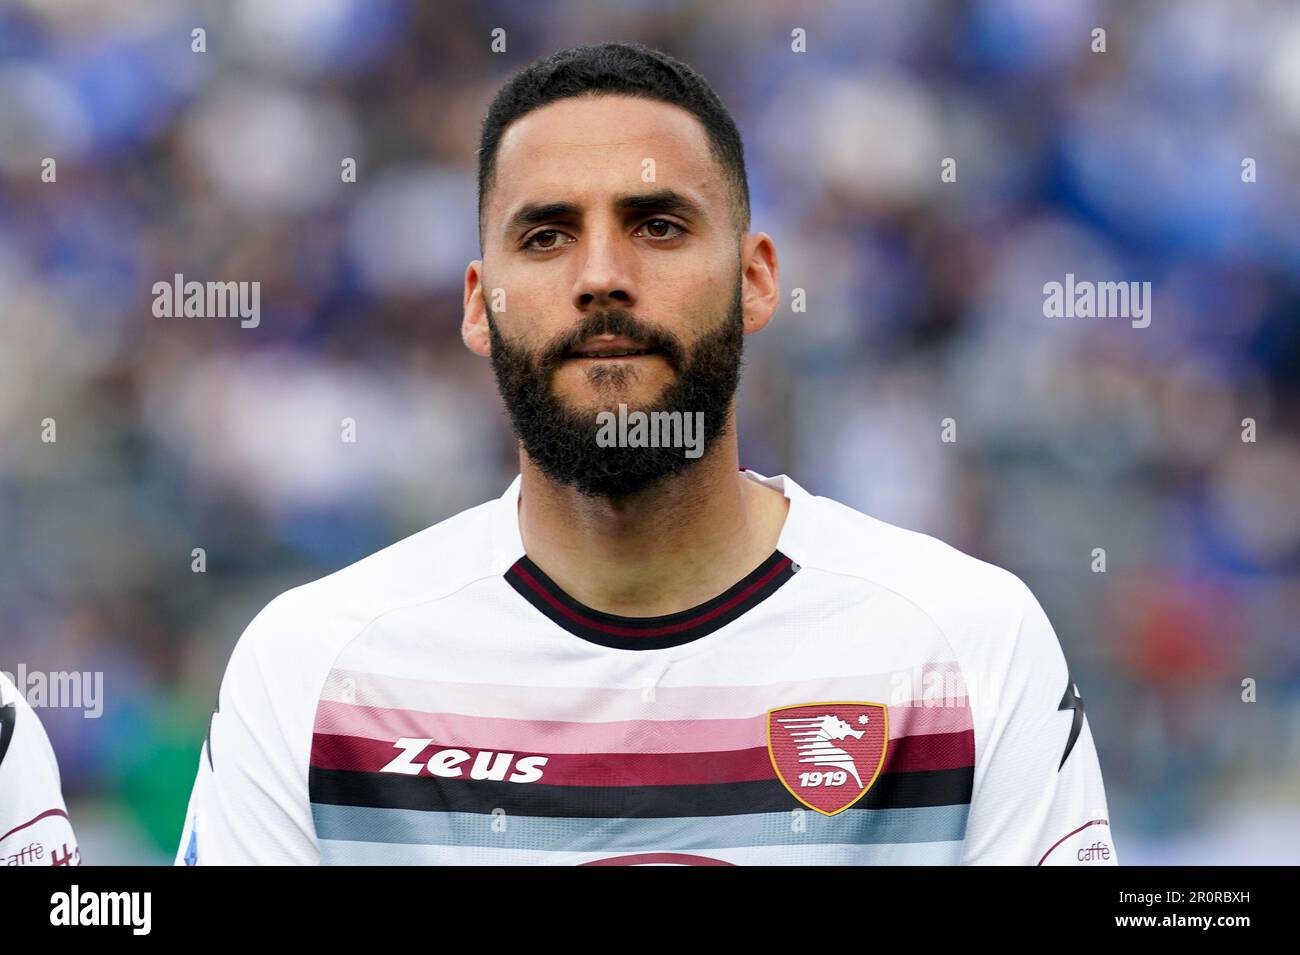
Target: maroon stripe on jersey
[(911, 754), (928, 752), (31, 822), (1091, 822), (561, 769), (658, 858)]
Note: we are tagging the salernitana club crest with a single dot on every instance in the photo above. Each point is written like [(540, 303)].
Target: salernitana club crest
[(828, 754)]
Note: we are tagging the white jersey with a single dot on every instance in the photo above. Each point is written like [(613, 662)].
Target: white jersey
[(34, 826), (867, 695)]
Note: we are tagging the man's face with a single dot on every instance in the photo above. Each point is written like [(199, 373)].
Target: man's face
[(584, 261)]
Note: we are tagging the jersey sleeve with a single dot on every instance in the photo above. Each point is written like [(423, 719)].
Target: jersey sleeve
[(1038, 796), (249, 804), (34, 824)]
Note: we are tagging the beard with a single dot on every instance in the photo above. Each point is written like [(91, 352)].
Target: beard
[(561, 441)]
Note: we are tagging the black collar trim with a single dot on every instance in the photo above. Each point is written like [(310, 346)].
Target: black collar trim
[(649, 633)]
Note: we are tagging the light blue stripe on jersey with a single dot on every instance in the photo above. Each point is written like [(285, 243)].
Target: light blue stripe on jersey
[(420, 827), (341, 852)]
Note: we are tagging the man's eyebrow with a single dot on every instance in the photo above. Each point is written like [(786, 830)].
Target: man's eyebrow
[(535, 213), (661, 200)]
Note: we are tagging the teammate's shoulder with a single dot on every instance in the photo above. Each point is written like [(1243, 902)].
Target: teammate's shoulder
[(8, 690), (10, 700), (22, 737), (11, 697)]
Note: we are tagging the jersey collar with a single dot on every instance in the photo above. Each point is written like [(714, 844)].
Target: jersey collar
[(647, 633)]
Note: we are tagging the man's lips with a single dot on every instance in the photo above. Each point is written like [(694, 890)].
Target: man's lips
[(606, 348), (611, 356)]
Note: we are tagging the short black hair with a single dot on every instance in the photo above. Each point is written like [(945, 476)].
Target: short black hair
[(626, 69)]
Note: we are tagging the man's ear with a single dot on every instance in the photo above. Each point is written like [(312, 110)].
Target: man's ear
[(761, 295), (474, 324)]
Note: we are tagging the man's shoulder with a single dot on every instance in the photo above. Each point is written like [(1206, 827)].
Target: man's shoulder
[(429, 563), (316, 619), (962, 594)]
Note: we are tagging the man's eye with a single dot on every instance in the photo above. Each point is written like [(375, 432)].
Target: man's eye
[(655, 225), (532, 242)]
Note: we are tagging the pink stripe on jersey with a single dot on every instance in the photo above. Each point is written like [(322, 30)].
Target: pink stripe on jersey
[(550, 736), (614, 704), (566, 736), (915, 719)]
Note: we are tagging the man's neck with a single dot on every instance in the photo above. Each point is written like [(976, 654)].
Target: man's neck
[(666, 550)]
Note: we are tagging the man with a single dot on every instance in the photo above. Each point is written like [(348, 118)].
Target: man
[(641, 653), (34, 825)]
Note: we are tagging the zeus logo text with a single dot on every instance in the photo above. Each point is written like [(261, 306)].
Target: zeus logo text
[(450, 763)]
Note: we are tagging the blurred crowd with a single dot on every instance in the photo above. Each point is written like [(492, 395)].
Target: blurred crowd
[(924, 302)]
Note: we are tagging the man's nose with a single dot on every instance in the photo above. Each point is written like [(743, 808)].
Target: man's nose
[(605, 275)]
